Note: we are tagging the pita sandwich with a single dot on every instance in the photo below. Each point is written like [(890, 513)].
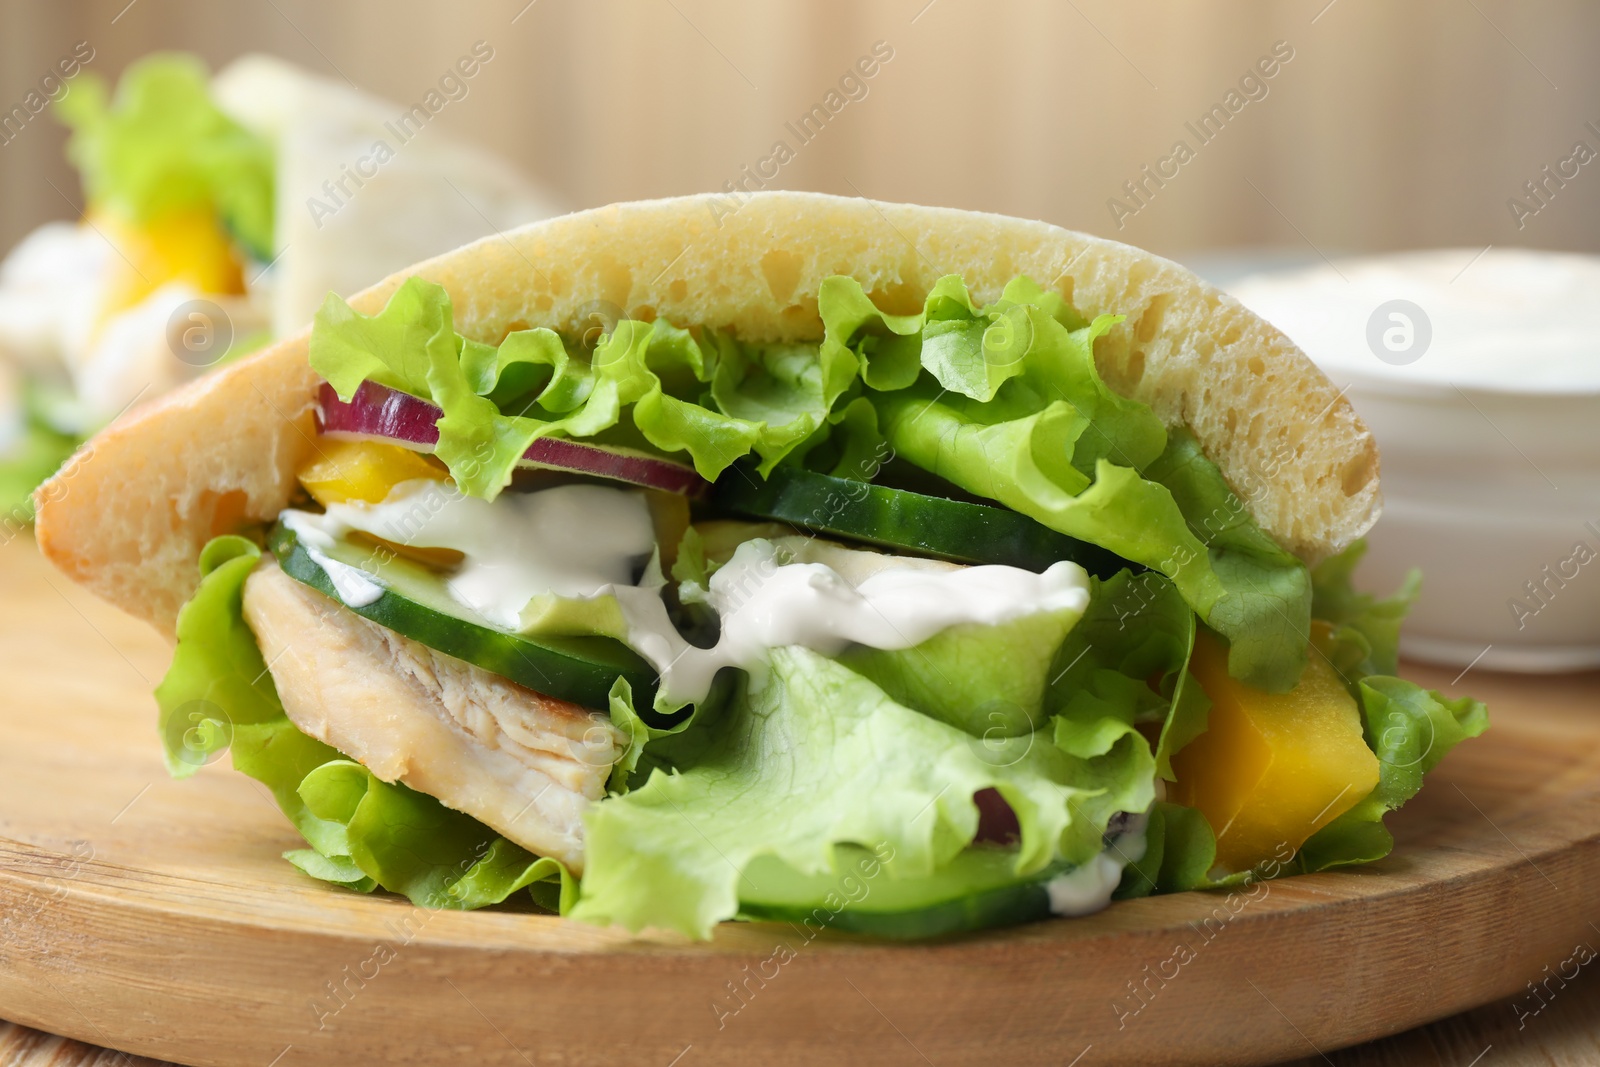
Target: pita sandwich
[(220, 211), (877, 567)]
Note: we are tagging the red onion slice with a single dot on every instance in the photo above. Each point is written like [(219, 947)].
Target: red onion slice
[(380, 413), (997, 822)]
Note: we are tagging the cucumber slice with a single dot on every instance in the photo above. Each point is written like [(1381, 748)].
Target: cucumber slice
[(975, 891), (416, 604), (905, 521)]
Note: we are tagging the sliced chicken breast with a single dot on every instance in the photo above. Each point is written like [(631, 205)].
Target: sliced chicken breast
[(526, 764)]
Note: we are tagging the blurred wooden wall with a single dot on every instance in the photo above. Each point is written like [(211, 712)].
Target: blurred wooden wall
[(1394, 125)]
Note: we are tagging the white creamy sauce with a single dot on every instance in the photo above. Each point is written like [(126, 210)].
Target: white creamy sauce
[(574, 540), (765, 604), (1503, 406), (355, 587), (1508, 319), (587, 541), (1087, 889)]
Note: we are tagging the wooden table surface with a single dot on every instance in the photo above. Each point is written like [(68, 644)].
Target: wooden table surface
[(1565, 1030), (1566, 1033)]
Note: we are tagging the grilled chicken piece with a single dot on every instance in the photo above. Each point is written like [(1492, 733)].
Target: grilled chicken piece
[(525, 764)]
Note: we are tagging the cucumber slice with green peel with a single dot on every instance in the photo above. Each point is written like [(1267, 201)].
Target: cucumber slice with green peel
[(415, 603), (905, 521), (975, 891)]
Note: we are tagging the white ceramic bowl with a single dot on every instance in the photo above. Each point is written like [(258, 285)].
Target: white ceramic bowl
[(1479, 374)]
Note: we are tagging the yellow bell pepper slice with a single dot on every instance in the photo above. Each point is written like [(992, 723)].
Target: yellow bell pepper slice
[(366, 471), (184, 246), (344, 471), (1272, 768)]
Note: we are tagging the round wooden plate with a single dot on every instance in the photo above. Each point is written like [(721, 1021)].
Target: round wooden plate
[(155, 916)]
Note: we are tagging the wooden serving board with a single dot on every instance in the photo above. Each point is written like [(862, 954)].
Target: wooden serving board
[(155, 916)]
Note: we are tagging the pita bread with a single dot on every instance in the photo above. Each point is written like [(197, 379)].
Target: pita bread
[(129, 517), (420, 194)]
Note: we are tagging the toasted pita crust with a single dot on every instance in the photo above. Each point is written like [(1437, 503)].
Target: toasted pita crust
[(129, 516)]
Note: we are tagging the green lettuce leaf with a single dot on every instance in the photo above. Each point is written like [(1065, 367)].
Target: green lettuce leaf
[(163, 145), (989, 681), (707, 396), (1266, 611), (364, 833), (888, 346), (409, 843), (1137, 631), (849, 445), (32, 458), (1410, 729), (787, 390), (971, 350), (1179, 851), (1008, 405), (218, 681), (814, 756), (1367, 626)]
